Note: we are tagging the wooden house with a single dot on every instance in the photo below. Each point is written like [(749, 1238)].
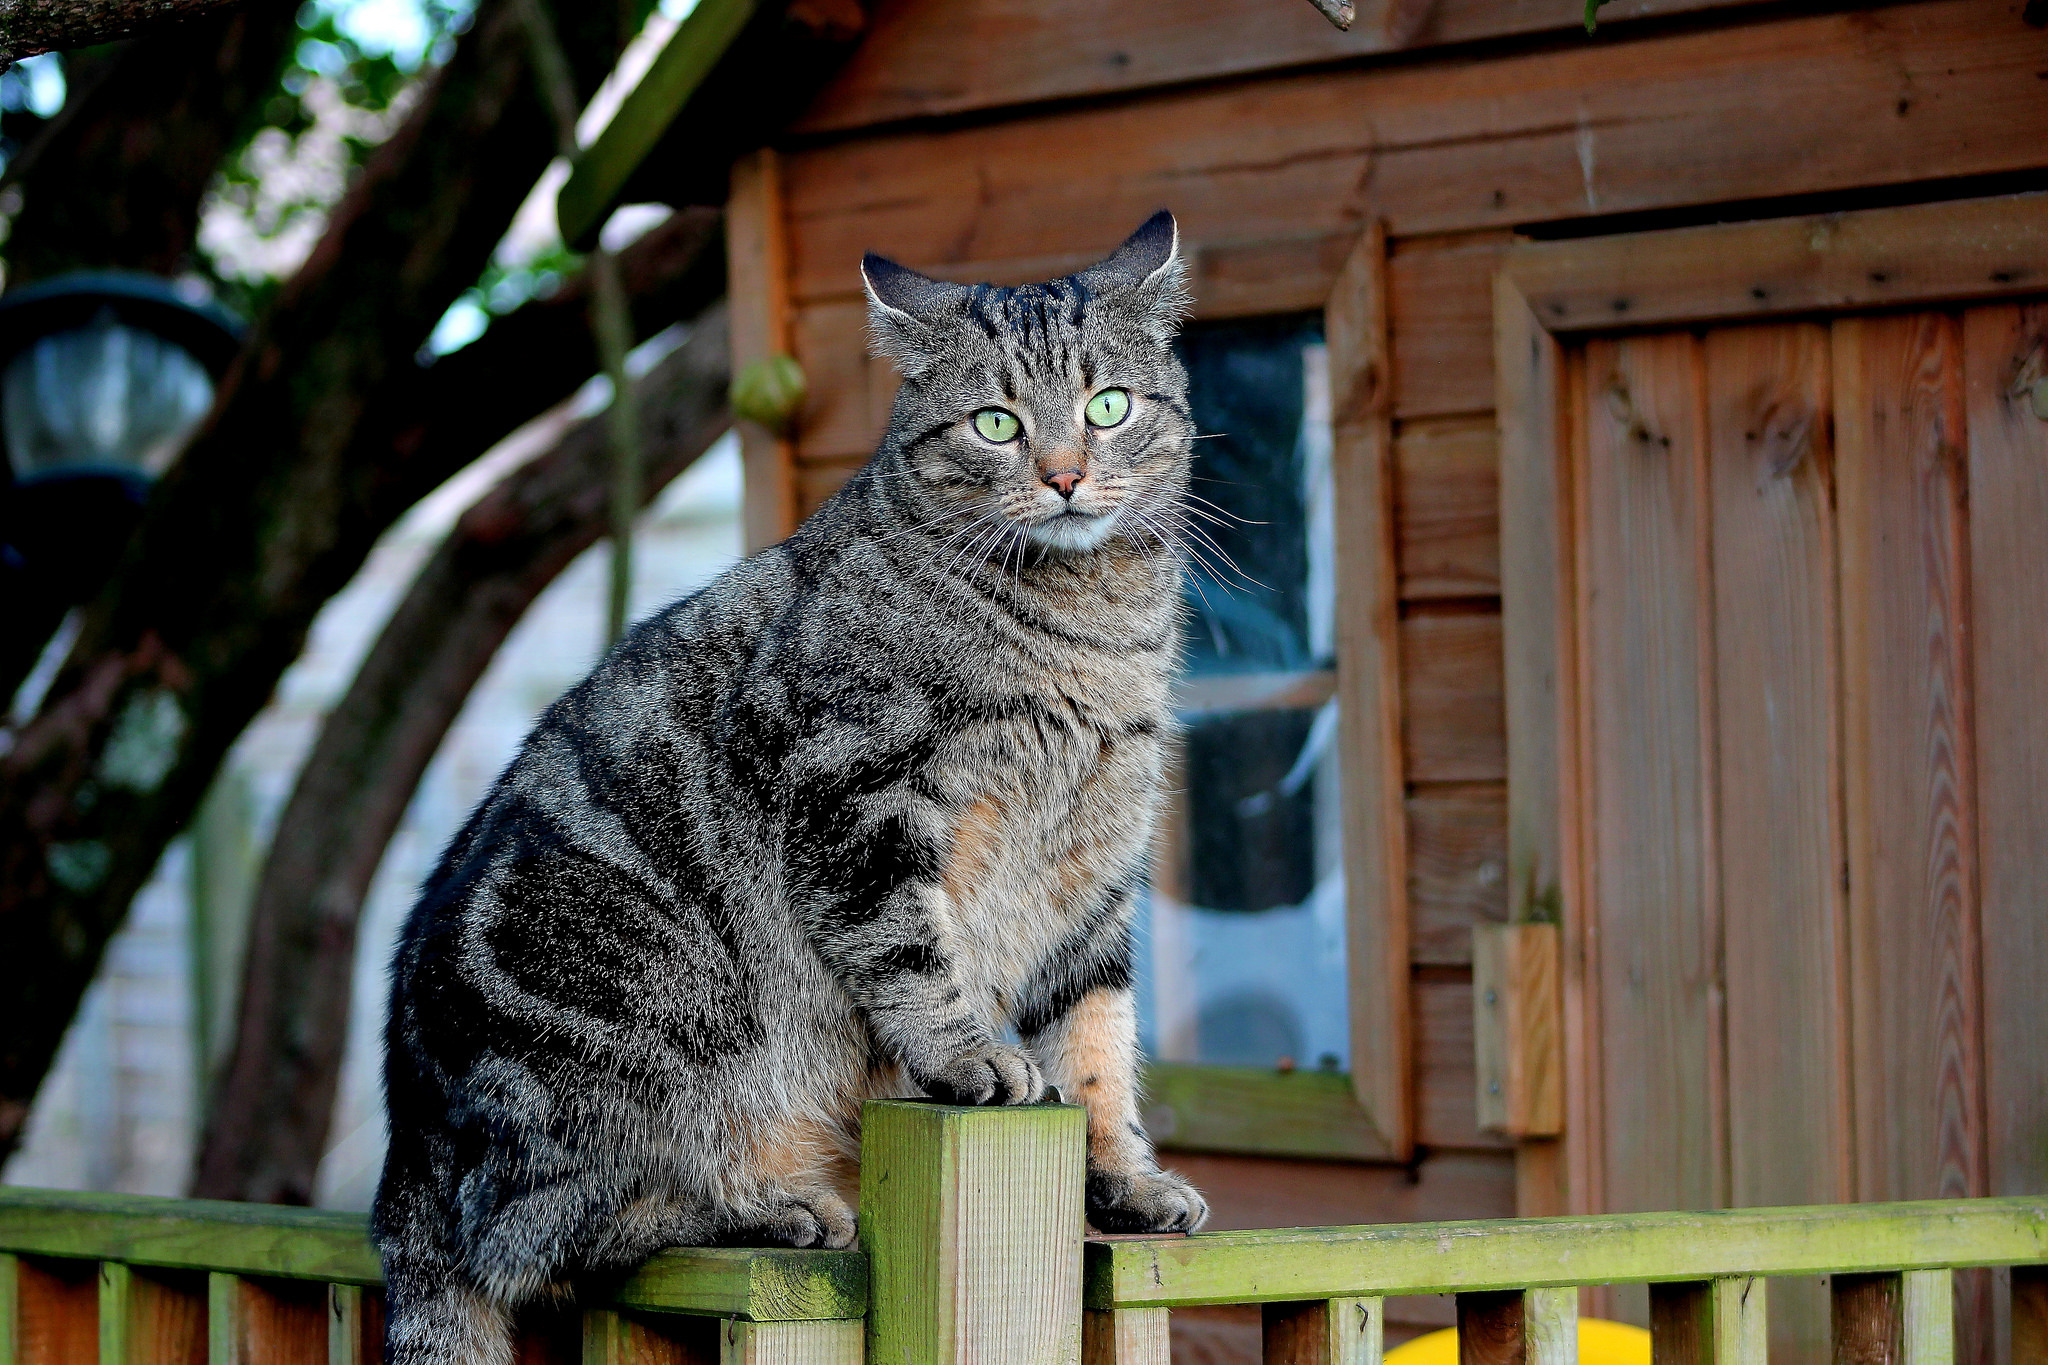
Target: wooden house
[(1670, 544)]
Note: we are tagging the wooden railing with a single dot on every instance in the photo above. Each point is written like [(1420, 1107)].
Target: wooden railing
[(971, 1224)]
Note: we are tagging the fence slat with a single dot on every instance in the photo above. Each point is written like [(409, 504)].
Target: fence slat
[(1490, 1328), (10, 1309), (249, 1322), (56, 1311), (792, 1343), (1126, 1336), (1928, 1313), (1550, 1326), (1708, 1322), (355, 1325), (1322, 1332), (2030, 1315), (150, 1320), (1865, 1317)]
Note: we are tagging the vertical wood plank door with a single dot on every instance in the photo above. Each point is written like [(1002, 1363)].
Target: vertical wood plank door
[(1803, 562)]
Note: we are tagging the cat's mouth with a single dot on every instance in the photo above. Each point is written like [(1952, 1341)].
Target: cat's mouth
[(1073, 529)]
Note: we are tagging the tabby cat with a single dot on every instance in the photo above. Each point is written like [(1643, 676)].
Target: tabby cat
[(831, 828)]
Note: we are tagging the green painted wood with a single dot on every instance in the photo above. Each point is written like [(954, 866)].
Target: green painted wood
[(759, 1284), (1444, 1258), (972, 1219), (645, 113), (10, 1309), (1194, 1108)]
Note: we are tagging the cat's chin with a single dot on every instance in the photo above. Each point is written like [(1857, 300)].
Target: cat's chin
[(1073, 532)]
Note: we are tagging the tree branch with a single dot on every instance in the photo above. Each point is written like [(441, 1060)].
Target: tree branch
[(271, 509), (29, 28), (269, 1119)]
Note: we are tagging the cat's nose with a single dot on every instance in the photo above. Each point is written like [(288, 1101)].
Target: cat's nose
[(1064, 481)]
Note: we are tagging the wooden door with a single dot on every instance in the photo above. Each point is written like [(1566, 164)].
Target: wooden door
[(1776, 563)]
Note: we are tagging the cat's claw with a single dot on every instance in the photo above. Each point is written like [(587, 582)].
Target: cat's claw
[(994, 1074), (1144, 1201)]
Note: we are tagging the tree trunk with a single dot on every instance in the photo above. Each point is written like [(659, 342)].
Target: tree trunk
[(269, 1119), (118, 176), (313, 448), (31, 27)]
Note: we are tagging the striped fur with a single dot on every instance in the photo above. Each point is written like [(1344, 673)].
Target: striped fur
[(832, 828)]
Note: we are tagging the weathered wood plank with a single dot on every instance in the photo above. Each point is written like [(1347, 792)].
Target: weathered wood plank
[(1449, 508), (1550, 1326), (1323, 1332), (972, 1223), (273, 1322), (1267, 1192), (1712, 1322), (1923, 253), (1442, 305), (790, 1343), (939, 58), (151, 1318), (1457, 869), (1908, 772), (1580, 129), (1775, 686), (10, 1309), (2005, 357), (1453, 724), (1127, 1336), (1446, 1060), (1927, 1312), (1517, 1023), (1646, 636), (757, 283), (838, 423), (1369, 682), (2030, 1315), (56, 1311), (1864, 1319), (355, 1325), (610, 1337)]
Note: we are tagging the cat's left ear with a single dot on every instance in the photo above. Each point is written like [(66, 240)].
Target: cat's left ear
[(1147, 276), (906, 311)]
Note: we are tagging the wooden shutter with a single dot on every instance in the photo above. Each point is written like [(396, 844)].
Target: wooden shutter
[(1775, 550)]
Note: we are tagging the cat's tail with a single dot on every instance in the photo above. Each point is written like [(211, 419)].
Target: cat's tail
[(434, 1318)]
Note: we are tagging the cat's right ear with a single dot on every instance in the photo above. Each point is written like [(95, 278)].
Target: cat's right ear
[(904, 310)]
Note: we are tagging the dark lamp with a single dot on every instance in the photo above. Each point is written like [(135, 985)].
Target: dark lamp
[(103, 376)]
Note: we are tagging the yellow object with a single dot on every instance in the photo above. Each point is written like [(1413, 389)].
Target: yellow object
[(1600, 1343)]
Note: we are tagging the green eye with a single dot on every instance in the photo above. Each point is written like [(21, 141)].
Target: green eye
[(996, 425), (1108, 408)]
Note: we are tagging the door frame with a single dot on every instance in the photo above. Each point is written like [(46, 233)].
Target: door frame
[(1548, 292)]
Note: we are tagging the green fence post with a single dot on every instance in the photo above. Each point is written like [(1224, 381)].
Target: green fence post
[(972, 1221)]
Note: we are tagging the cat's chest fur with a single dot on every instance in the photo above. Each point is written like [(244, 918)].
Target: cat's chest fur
[(1055, 798)]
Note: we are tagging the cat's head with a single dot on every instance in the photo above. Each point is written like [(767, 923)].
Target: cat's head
[(1054, 412)]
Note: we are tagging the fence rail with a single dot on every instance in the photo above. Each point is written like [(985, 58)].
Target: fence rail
[(971, 1224)]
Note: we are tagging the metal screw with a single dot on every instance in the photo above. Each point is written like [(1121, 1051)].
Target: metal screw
[(1493, 1087), (1492, 997)]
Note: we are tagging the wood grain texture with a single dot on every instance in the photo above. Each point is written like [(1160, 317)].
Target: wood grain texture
[(1448, 517), (1457, 869), (150, 1318), (274, 1322), (972, 1222), (1865, 1325), (1550, 1326), (1646, 638), (2005, 355), (757, 272), (1579, 129), (1490, 1328), (1453, 721), (1323, 1332), (1127, 1336), (1447, 1110), (1927, 1328), (1517, 1020), (1265, 1192), (925, 59), (56, 1311), (1440, 292), (1775, 683), (1922, 253), (355, 1325), (1713, 1322), (1369, 689), (1909, 776), (610, 1337), (10, 1309), (1271, 1265), (788, 1343)]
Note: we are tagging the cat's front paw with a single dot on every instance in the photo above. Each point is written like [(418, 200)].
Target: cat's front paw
[(994, 1073), (801, 1218), (1144, 1201)]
